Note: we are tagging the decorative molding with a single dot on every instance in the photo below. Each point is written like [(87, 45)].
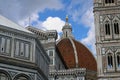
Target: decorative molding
[(17, 35), (13, 73), (75, 71), (32, 75)]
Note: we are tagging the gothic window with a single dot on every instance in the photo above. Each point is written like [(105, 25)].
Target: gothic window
[(107, 28), (118, 59), (109, 1), (110, 60), (116, 27)]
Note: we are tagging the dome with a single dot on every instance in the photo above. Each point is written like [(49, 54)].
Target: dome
[(75, 54)]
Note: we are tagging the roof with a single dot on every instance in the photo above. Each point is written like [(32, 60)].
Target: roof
[(68, 47), (8, 23)]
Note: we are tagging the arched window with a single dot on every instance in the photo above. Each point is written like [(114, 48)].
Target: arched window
[(107, 28), (109, 1), (118, 59), (106, 1), (116, 27), (66, 33), (110, 60), (22, 77), (3, 76)]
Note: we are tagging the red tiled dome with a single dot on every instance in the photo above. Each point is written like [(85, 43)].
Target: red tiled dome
[(85, 57)]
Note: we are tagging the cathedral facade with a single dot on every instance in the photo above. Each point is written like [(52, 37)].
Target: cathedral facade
[(107, 30)]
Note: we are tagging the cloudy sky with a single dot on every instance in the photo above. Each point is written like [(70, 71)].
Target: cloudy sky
[(50, 14)]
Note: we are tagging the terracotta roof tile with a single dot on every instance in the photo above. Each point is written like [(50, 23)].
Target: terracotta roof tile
[(85, 57)]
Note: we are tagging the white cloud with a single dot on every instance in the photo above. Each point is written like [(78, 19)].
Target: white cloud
[(18, 10), (77, 8), (29, 20), (88, 21), (53, 23), (81, 12)]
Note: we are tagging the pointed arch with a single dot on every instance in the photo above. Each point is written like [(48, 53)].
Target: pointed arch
[(116, 25), (107, 26), (110, 59), (117, 56), (118, 59)]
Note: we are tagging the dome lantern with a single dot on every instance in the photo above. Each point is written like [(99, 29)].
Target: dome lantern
[(67, 29), (67, 18)]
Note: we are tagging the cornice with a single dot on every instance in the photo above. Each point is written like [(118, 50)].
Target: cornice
[(16, 33), (75, 71), (106, 8)]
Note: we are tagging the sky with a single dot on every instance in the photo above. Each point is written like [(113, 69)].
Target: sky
[(51, 14)]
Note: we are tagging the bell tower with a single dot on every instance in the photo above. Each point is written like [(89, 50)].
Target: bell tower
[(107, 33)]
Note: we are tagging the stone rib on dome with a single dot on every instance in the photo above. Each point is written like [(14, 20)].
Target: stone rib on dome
[(85, 57)]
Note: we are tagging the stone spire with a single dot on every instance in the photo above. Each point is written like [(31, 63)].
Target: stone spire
[(67, 30)]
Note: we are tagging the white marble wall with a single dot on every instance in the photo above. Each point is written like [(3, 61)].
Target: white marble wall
[(106, 43), (23, 48)]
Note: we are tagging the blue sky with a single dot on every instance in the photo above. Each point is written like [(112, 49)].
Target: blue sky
[(50, 14)]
